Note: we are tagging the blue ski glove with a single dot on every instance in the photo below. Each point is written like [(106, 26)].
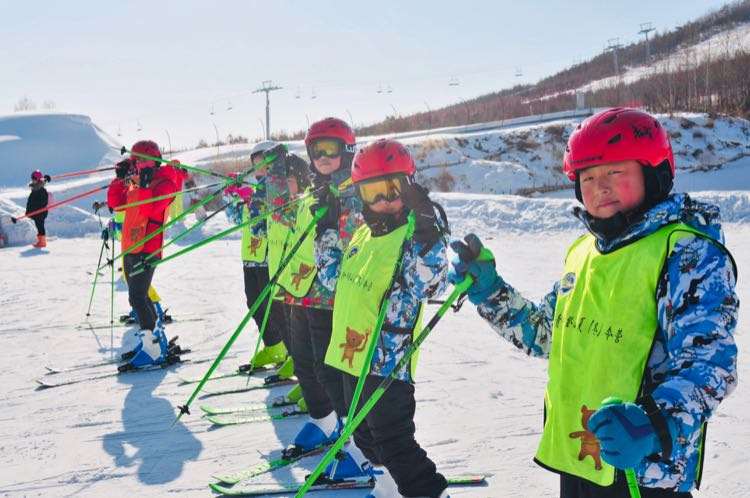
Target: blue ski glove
[(472, 258), (625, 434)]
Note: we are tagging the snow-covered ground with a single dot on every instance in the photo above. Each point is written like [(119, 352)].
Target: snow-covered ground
[(479, 400)]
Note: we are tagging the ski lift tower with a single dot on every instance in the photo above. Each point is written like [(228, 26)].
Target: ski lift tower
[(267, 88), (646, 28), (614, 45)]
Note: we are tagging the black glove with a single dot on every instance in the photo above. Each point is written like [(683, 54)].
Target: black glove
[(416, 198), (278, 166), (96, 206), (324, 197), (146, 175), (122, 169), (47, 178)]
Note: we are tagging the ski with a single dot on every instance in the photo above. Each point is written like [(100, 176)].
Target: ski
[(246, 408), (251, 417), (269, 466), (89, 326), (47, 383), (253, 386), (226, 375), (52, 370), (327, 485)]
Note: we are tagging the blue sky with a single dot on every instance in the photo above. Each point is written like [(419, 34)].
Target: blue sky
[(164, 64)]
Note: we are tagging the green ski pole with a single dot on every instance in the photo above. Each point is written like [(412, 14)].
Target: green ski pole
[(266, 290), (352, 425), (188, 167), (630, 476), (112, 298), (96, 277), (166, 196), (192, 208), (140, 267), (376, 335)]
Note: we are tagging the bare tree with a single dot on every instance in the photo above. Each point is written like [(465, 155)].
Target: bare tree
[(24, 104)]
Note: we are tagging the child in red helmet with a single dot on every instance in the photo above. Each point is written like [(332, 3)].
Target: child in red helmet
[(396, 259), (142, 178), (639, 329), (38, 199)]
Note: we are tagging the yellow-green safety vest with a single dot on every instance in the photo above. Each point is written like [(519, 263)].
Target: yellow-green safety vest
[(254, 247), (604, 326), (365, 278), (299, 274)]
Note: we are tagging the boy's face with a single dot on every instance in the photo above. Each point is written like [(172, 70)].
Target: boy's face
[(327, 165), (611, 188), (387, 207)]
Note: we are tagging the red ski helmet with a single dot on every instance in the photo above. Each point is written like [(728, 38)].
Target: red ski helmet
[(37, 175), (618, 134), (146, 147), (332, 128), (382, 158)]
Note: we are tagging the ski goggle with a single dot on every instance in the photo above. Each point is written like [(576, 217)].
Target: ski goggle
[(381, 189), (326, 147)]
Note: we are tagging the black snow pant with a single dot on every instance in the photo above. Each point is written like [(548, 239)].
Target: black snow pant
[(574, 487), (386, 437), (138, 285), (39, 222), (321, 385), (256, 279)]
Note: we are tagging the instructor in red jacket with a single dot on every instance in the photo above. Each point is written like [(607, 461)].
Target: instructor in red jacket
[(139, 179)]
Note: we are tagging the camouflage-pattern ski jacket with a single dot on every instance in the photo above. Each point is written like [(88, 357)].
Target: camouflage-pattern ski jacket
[(422, 277), (693, 364), (257, 206)]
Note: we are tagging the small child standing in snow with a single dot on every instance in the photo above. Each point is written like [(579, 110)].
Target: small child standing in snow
[(38, 199), (638, 331), (391, 260)]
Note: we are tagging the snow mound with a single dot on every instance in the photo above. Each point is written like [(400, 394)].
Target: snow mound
[(52, 142)]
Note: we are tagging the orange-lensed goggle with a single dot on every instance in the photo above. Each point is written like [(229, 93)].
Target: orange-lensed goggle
[(385, 189), (326, 147)]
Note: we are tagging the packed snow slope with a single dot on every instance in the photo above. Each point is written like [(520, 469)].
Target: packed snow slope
[(479, 401)]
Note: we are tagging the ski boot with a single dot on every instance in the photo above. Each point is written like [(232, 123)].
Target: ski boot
[(293, 397), (270, 355), (315, 434), (129, 354), (385, 486), (161, 314), (153, 350), (350, 464), (130, 318), (41, 241), (286, 370)]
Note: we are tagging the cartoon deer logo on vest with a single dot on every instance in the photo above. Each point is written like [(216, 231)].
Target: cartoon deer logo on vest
[(303, 272), (589, 443), (254, 245), (355, 343)]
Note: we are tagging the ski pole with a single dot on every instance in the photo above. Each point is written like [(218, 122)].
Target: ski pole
[(630, 476), (230, 230), (192, 208), (375, 338), (58, 204), (188, 167), (112, 297), (81, 173), (267, 313), (351, 425), (159, 230), (96, 277), (166, 196), (265, 292), (140, 267)]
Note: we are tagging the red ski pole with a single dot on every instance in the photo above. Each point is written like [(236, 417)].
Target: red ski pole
[(60, 203), (81, 173)]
